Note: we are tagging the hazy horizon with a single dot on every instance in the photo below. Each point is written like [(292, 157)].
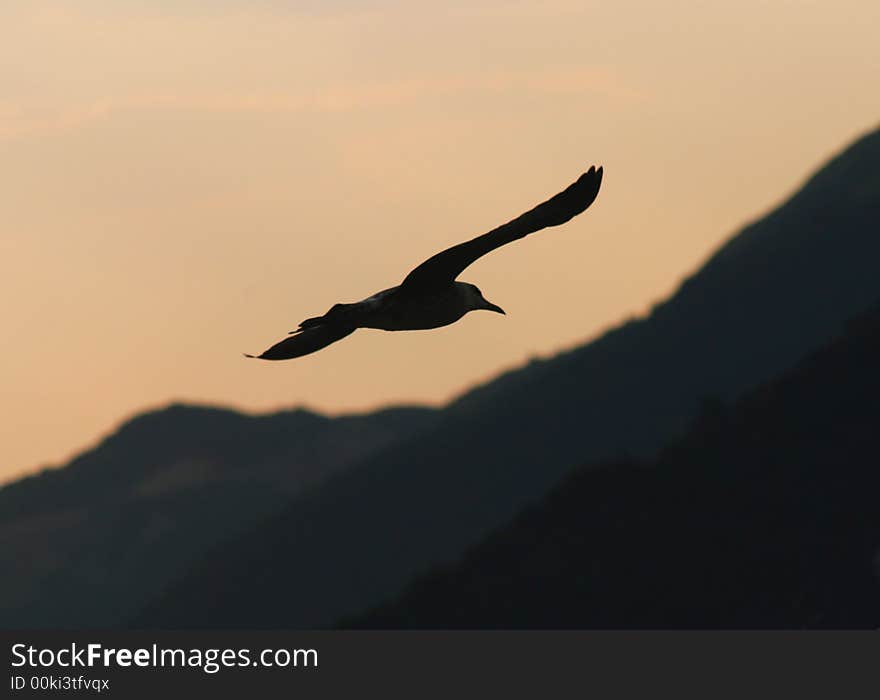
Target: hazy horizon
[(184, 184)]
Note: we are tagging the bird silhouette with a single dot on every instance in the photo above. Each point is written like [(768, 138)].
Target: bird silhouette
[(430, 296)]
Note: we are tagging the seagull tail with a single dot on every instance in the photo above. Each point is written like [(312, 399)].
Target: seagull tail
[(336, 316)]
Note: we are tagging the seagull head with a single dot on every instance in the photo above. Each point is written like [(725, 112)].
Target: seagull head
[(476, 300)]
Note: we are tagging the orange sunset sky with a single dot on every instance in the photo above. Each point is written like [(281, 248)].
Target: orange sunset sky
[(182, 181)]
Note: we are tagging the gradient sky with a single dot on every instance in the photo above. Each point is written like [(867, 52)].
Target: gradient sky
[(182, 181)]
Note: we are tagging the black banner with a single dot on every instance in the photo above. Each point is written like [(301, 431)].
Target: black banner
[(437, 664)]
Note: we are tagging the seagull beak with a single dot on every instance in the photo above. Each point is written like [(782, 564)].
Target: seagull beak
[(491, 307)]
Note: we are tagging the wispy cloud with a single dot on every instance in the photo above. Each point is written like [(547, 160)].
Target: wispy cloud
[(19, 120)]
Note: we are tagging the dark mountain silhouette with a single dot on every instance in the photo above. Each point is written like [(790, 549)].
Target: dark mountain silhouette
[(781, 288), (764, 516), (89, 544)]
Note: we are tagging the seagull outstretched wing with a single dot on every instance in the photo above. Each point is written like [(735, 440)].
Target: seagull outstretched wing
[(306, 341), (445, 266)]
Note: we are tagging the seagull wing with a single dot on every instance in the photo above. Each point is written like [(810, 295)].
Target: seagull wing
[(444, 267), (305, 341)]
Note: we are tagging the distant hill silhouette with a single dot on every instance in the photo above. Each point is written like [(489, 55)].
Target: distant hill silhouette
[(89, 544), (779, 289), (764, 516)]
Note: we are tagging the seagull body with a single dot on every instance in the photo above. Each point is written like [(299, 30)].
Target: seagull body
[(430, 296)]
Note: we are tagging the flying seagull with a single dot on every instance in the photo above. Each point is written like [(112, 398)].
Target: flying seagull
[(430, 297)]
